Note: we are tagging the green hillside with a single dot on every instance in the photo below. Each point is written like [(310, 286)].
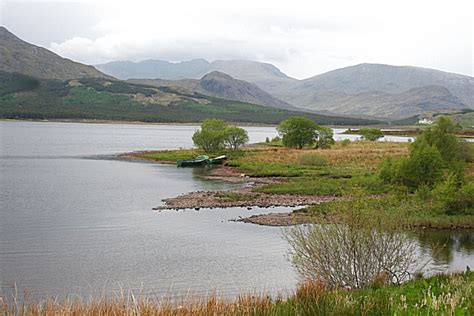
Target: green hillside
[(24, 97)]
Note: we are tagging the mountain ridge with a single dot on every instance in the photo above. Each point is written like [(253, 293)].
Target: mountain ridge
[(22, 57)]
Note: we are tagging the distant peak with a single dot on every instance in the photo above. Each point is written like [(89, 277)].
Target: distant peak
[(216, 74)]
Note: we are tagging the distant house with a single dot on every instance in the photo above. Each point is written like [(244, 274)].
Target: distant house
[(425, 121)]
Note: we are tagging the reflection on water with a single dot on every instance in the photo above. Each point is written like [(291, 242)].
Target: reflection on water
[(446, 247)]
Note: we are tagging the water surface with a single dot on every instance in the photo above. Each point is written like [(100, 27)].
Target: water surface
[(74, 220)]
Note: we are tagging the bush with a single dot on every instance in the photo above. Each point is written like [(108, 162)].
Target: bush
[(371, 134), (424, 166), (456, 198), (312, 159), (351, 255)]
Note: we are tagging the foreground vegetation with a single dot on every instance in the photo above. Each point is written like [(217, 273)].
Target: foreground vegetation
[(437, 295)]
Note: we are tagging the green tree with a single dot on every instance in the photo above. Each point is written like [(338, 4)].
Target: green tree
[(371, 134), (298, 131), (442, 136), (235, 137), (325, 137), (212, 135)]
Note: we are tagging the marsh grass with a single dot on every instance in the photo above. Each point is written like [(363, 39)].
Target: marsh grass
[(438, 295)]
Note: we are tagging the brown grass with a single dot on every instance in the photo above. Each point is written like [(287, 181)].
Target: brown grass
[(357, 154)]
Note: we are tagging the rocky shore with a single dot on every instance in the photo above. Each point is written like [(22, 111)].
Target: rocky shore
[(243, 197)]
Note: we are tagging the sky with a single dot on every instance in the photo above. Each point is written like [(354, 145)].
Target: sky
[(302, 38)]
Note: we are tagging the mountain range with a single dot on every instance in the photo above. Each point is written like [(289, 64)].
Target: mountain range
[(362, 90), (372, 91), (38, 84)]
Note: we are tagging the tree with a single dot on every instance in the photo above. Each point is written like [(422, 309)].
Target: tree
[(325, 137), (442, 136), (298, 131), (371, 134), (216, 134), (235, 137), (212, 135)]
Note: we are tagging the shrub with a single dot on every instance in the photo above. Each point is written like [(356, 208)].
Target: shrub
[(456, 198), (312, 159), (371, 134), (351, 255)]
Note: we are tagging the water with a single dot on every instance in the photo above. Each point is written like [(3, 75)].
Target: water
[(75, 220)]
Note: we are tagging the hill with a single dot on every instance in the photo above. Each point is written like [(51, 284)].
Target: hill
[(24, 97), (220, 85), (22, 57), (380, 90)]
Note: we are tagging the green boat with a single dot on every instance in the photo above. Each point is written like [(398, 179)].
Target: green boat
[(218, 160), (196, 162)]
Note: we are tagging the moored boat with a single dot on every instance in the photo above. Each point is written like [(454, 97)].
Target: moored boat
[(198, 161), (217, 160)]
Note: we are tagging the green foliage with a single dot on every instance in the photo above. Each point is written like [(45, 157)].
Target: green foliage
[(325, 138), (13, 82), (298, 131), (216, 134), (211, 136), (371, 134), (456, 198), (235, 137), (442, 136)]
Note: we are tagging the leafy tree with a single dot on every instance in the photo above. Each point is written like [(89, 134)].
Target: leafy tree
[(235, 137), (298, 131), (371, 134), (325, 137), (212, 135), (216, 134)]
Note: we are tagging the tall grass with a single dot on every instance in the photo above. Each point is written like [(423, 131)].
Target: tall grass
[(437, 295)]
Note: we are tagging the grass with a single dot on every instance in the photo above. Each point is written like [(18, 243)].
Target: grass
[(437, 295)]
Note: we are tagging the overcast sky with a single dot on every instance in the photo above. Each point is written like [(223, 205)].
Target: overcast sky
[(302, 38)]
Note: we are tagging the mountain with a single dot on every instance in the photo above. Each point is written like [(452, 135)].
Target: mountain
[(381, 90), (365, 89), (220, 85), (398, 105), (24, 58), (246, 70), (25, 97)]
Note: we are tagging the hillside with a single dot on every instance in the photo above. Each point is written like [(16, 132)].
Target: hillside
[(24, 97), (220, 85), (381, 90), (21, 57)]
